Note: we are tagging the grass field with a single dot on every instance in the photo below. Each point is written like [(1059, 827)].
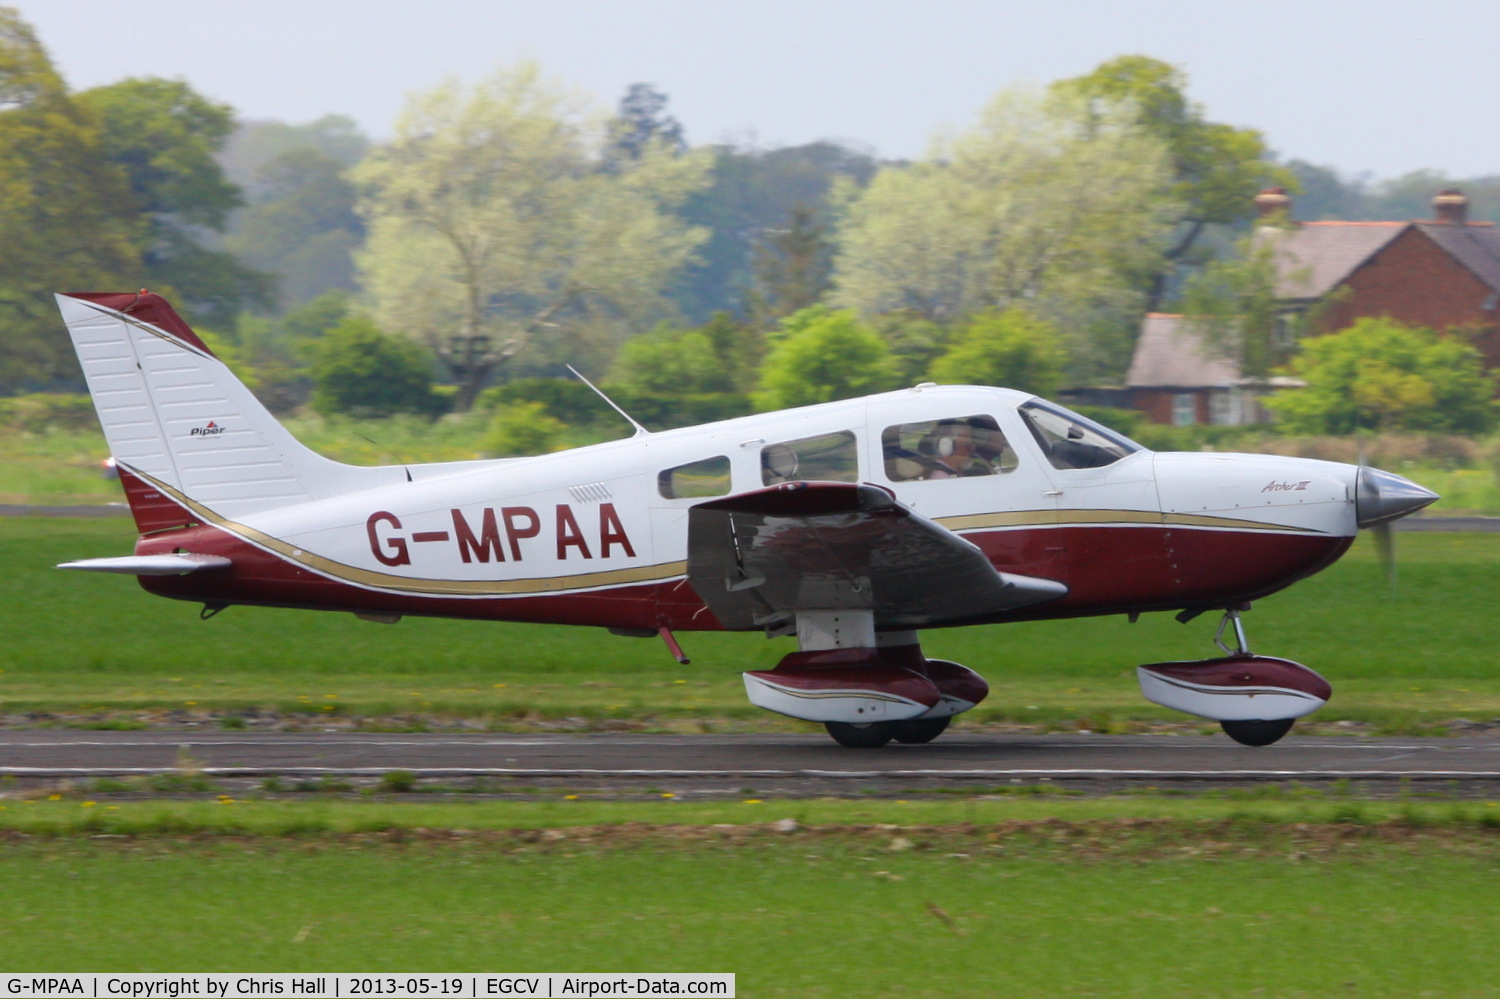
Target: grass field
[(1019, 897), (101, 650)]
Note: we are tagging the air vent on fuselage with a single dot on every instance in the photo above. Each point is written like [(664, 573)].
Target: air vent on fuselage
[(590, 492)]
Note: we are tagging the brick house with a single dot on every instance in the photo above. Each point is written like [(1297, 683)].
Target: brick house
[(1175, 379), (1442, 272)]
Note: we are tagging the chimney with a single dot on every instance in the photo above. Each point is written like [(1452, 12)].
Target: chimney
[(1271, 202), (1450, 206)]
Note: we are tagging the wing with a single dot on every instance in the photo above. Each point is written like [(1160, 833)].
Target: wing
[(759, 557)]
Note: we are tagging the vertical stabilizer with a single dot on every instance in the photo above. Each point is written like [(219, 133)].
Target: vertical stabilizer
[(176, 417)]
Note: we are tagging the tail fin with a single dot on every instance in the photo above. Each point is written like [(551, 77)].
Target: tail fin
[(180, 423)]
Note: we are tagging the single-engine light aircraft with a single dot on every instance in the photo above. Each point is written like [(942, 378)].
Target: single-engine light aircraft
[(851, 525)]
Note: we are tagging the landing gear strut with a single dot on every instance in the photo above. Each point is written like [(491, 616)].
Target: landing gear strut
[(1245, 732)]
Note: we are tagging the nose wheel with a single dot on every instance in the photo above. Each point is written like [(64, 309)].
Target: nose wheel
[(1257, 733), (870, 735)]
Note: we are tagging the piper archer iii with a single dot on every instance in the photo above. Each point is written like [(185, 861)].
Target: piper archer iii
[(852, 525)]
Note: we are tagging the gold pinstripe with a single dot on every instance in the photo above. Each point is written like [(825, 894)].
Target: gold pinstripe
[(1076, 518), (435, 587)]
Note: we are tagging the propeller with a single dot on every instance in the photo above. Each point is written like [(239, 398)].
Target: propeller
[(1380, 498)]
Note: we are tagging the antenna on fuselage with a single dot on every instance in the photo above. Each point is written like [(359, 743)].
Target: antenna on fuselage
[(640, 431), (399, 460)]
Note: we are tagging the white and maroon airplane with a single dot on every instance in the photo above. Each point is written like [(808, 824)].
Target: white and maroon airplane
[(852, 525)]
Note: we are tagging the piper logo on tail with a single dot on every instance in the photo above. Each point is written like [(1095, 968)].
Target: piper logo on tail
[(208, 431)]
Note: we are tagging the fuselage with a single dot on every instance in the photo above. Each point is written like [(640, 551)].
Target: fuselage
[(598, 535)]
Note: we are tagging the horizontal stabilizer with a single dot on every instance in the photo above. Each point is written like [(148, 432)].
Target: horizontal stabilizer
[(151, 565)]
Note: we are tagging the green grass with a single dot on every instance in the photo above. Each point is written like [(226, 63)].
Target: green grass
[(116, 808), (62, 466), (98, 648), (1071, 898)]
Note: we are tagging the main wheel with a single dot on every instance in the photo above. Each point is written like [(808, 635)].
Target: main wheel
[(870, 735), (1257, 733), (917, 731)]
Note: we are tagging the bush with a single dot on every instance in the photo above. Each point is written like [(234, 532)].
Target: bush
[(523, 428), (565, 399), (361, 371), (1383, 375), (824, 356), (1012, 349), (669, 362)]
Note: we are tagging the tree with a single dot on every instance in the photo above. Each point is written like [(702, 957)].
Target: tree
[(822, 356), (67, 221), (1217, 168), (300, 225), (642, 122), (1047, 201), (164, 135), (1010, 348), (1379, 374), (1234, 305), (362, 371), (491, 218), (793, 266), (253, 144), (751, 193)]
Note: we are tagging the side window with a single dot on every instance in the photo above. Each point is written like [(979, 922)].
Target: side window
[(946, 449), (709, 477), (829, 458)]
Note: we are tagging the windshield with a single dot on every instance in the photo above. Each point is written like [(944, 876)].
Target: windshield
[(1072, 441)]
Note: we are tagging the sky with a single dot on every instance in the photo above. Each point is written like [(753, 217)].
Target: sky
[(1376, 87)]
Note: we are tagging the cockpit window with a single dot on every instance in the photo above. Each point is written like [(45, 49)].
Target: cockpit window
[(828, 458), (1072, 441), (946, 449), (709, 477)]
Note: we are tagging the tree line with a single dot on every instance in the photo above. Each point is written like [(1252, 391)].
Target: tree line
[(513, 225)]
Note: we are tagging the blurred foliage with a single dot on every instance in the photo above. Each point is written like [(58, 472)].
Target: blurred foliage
[(1379, 374), (163, 136), (362, 371), (793, 266), (1049, 200), (1218, 168), (821, 355), (39, 412), (750, 195), (492, 220), (1011, 349), (67, 216), (523, 428), (300, 225), (1325, 193), (670, 362)]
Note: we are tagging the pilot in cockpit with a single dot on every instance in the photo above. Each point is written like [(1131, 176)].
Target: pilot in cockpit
[(956, 448)]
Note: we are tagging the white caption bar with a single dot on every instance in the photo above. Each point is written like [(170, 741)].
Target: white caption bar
[(549, 985)]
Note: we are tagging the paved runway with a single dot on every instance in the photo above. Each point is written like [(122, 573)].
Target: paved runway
[(625, 759)]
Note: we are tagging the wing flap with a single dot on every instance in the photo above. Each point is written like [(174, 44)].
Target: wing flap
[(759, 557)]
